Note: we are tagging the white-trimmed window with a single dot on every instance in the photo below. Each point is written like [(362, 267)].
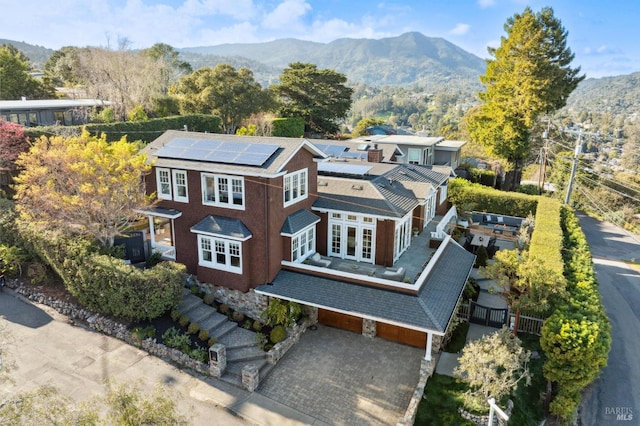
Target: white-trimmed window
[(303, 244), (180, 190), (163, 179), (220, 253), (443, 193), (413, 156), (295, 187), (223, 191)]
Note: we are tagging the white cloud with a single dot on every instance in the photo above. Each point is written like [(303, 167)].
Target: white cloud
[(460, 29), (241, 10), (486, 3), (286, 14)]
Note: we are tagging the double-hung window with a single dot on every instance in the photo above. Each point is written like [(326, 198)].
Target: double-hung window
[(180, 190), (163, 178), (295, 187), (223, 191), (220, 253)]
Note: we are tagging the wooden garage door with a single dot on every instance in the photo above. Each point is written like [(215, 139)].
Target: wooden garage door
[(401, 335), (338, 320)]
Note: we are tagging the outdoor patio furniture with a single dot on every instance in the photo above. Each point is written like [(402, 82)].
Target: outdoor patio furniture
[(317, 260), (395, 274)]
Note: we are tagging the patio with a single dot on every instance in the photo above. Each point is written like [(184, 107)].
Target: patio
[(413, 260)]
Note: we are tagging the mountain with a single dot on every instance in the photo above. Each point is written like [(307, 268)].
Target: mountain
[(406, 60), (615, 95), (37, 55)]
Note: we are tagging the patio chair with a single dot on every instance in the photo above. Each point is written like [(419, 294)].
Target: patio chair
[(395, 274), (317, 260)]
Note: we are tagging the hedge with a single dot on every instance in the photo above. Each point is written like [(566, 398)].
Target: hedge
[(105, 284), (292, 127), (463, 192), (546, 240), (146, 130), (576, 339)]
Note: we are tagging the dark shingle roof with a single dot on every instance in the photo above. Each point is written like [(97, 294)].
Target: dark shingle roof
[(416, 173), (222, 226), (431, 309), (297, 221)]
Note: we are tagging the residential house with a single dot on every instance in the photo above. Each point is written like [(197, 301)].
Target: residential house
[(47, 112), (283, 218)]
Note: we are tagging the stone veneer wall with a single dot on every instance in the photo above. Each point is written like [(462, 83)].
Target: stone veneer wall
[(484, 420), (276, 353), (249, 303), (369, 328), (426, 370)]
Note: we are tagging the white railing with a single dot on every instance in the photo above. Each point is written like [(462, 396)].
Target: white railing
[(443, 227), (463, 311)]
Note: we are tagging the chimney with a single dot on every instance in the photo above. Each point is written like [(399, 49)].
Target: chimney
[(374, 155)]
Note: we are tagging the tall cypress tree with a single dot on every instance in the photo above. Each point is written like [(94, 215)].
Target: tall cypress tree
[(530, 74)]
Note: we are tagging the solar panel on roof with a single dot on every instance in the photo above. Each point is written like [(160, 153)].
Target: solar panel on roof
[(344, 168), (356, 155), (331, 150), (244, 153)]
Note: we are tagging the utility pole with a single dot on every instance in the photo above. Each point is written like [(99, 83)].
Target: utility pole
[(574, 167), (543, 158)]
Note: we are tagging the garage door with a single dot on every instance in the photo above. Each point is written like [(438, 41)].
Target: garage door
[(338, 320), (401, 335)]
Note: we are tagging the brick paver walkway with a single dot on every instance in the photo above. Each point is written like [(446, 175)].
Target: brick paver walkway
[(344, 378)]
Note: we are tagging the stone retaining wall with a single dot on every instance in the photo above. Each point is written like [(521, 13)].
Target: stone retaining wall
[(276, 353), (110, 327), (426, 370), (250, 303)]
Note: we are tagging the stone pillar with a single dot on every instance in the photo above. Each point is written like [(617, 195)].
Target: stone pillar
[(217, 359), (312, 312), (368, 328), (250, 377)]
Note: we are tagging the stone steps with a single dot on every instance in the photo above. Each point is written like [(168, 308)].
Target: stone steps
[(245, 353), (199, 313), (188, 302), (238, 339), (222, 330)]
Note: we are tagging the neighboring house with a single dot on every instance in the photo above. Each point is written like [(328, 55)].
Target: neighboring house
[(32, 113), (281, 217), (414, 149)]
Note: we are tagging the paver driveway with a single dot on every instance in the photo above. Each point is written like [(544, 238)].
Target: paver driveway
[(344, 378)]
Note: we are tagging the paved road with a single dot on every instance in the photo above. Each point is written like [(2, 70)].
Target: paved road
[(614, 399)]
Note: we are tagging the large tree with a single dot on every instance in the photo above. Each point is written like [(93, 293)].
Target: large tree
[(530, 74), (82, 184), (319, 96), (232, 94), (15, 80)]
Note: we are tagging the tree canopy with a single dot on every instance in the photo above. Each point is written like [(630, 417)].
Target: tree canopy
[(15, 80), (232, 94), (13, 141), (82, 184), (530, 74), (319, 96)]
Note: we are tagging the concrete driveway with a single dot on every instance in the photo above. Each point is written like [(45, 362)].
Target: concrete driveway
[(344, 378)]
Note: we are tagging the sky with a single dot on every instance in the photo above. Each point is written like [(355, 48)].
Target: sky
[(604, 35)]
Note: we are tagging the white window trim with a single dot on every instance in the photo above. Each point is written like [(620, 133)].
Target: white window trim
[(413, 151), (443, 193), (309, 247), (174, 179), (216, 177), (161, 195), (212, 263), (305, 187)]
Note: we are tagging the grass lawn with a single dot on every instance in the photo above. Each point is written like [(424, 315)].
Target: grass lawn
[(443, 394), (439, 406)]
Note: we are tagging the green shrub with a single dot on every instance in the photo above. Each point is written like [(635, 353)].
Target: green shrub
[(481, 257), (281, 312), (175, 315), (212, 341), (247, 325), (175, 339), (12, 258), (195, 290), (237, 316), (203, 335), (483, 198), (193, 328), (137, 113), (257, 325), (38, 273), (288, 127), (183, 321), (144, 333), (146, 131), (278, 334), (224, 309), (153, 259), (200, 354), (261, 340), (209, 299)]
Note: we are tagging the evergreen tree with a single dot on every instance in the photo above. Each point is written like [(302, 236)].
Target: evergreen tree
[(529, 75), (319, 96), (15, 80)]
